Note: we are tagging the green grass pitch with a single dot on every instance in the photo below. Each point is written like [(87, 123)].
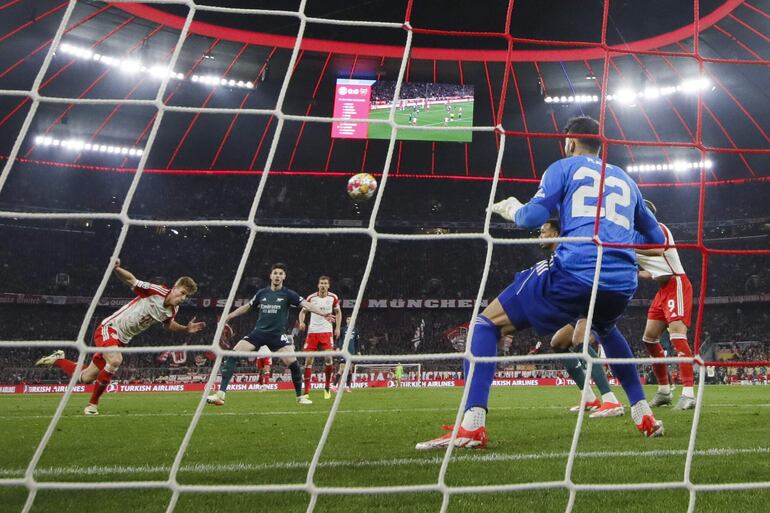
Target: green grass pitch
[(432, 117), (265, 438)]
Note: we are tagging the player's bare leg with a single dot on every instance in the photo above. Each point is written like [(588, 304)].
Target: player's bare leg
[(89, 373), (228, 369), (652, 332), (472, 433), (286, 354), (678, 332)]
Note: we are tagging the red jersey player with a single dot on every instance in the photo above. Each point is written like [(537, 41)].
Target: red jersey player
[(672, 309), (152, 304), (264, 366), (320, 333)]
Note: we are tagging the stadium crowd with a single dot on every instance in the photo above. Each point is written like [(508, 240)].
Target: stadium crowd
[(384, 90), (69, 259)]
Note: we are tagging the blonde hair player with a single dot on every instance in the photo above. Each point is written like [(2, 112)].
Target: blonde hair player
[(320, 332), (153, 304), (672, 309)]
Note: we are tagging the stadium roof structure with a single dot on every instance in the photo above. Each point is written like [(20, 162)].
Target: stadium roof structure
[(555, 71)]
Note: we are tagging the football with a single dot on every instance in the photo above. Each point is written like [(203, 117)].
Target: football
[(361, 187)]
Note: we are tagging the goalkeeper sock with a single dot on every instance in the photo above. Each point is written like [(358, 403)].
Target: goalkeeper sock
[(575, 371), (616, 346), (296, 377), (228, 369), (483, 343), (597, 371), (474, 418)]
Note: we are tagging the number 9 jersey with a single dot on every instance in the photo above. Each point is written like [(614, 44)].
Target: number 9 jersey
[(570, 188)]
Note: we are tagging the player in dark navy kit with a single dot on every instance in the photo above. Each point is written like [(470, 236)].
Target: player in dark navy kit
[(354, 347), (552, 294), (273, 303)]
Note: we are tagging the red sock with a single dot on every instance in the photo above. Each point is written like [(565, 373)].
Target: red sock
[(683, 349), (328, 374), (266, 376), (660, 369), (308, 374), (100, 385), (261, 378), (68, 366)]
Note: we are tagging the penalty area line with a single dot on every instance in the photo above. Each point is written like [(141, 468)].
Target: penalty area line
[(214, 413)]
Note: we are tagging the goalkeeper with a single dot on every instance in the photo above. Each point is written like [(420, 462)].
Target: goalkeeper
[(553, 294), (398, 374)]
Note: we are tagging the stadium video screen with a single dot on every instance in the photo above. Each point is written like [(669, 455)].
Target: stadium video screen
[(419, 104)]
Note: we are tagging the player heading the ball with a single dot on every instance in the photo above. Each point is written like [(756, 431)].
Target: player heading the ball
[(153, 304), (273, 303)]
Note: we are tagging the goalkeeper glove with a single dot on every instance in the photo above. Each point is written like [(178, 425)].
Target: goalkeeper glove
[(507, 208)]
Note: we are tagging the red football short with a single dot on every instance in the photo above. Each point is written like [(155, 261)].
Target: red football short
[(673, 302), (264, 362), (105, 336), (319, 342)]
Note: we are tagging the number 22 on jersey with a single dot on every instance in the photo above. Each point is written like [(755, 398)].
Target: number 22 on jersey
[(619, 196)]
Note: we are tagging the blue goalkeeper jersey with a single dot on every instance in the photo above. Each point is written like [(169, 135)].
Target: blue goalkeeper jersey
[(569, 188)]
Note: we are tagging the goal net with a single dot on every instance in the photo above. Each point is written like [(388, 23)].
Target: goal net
[(186, 479), (387, 372)]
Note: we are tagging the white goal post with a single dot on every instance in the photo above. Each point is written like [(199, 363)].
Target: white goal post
[(387, 369)]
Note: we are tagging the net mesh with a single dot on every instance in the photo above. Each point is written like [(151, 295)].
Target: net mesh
[(502, 134)]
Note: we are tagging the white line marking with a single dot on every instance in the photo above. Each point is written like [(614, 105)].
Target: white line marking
[(281, 413), (326, 412), (208, 468)]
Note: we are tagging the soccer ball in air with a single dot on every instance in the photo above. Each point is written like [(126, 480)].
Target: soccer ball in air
[(361, 187)]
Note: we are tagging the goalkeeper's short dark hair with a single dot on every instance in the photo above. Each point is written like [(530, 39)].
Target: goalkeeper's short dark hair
[(584, 125)]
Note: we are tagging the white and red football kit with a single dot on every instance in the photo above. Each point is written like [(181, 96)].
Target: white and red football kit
[(673, 302), (143, 311), (319, 330)]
